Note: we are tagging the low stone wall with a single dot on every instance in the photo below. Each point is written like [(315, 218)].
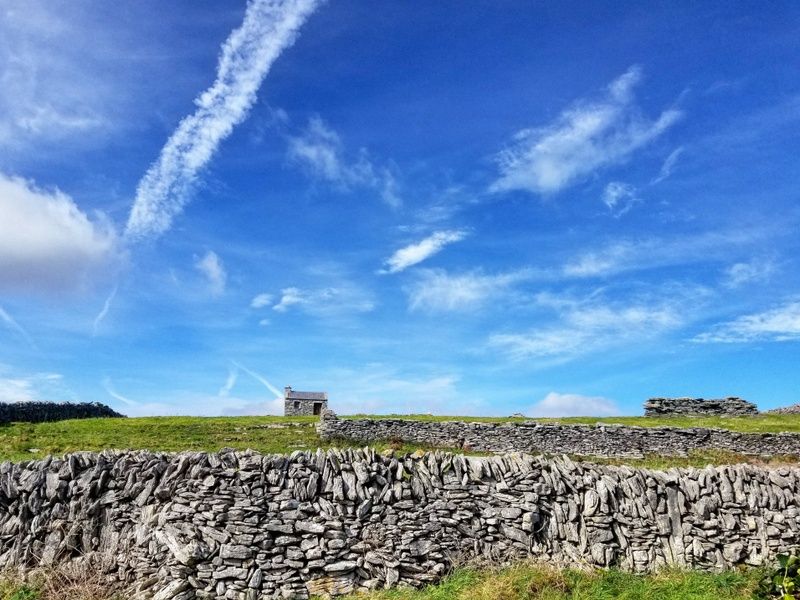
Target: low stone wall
[(245, 526), (39, 412), (552, 438), (723, 407)]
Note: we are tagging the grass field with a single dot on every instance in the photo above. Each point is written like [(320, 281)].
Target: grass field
[(523, 581), (526, 581), (24, 441)]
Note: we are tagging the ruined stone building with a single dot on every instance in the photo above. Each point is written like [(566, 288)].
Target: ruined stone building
[(298, 404)]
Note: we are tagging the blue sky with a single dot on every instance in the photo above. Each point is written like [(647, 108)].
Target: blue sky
[(481, 208)]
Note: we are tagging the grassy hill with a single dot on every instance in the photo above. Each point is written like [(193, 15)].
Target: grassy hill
[(24, 441)]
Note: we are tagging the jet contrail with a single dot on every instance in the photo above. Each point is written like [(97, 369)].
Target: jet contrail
[(257, 377), (269, 27)]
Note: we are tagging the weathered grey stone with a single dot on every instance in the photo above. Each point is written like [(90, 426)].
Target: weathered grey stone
[(254, 533)]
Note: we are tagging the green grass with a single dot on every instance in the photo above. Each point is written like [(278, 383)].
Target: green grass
[(270, 435), (530, 581), (522, 581), (24, 441)]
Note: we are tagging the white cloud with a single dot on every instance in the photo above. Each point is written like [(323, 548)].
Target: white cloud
[(32, 388), (620, 197), (46, 242), (436, 290), (585, 137), (261, 300), (780, 324), (247, 55), (16, 390), (652, 252), (233, 375), (210, 265), (319, 151), (325, 302), (611, 259), (668, 166), (573, 405), (743, 273), (289, 297), (593, 324), (46, 90), (416, 253)]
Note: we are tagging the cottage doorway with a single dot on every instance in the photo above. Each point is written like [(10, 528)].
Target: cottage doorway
[(317, 408)]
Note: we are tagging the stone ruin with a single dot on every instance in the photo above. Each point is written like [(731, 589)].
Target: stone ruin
[(723, 407)]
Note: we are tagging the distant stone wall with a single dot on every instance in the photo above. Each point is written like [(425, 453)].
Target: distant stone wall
[(723, 407), (38, 412), (553, 438), (794, 409), (241, 525)]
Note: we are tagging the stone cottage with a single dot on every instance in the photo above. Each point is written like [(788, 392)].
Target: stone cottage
[(298, 404)]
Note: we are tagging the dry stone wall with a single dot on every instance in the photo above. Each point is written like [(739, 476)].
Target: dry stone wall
[(39, 412), (242, 525), (584, 440), (723, 407)]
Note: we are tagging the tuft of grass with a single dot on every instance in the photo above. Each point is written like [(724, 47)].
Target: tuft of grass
[(537, 581), (66, 582)]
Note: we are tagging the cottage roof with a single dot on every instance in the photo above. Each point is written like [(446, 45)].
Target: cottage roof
[(295, 395)]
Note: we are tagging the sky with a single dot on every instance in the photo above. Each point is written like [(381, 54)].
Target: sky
[(455, 208)]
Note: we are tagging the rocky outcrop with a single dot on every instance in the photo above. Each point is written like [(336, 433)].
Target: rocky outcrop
[(39, 412), (675, 407), (246, 526), (794, 409), (605, 440)]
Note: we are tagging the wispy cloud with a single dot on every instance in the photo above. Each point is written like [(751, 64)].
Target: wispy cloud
[(104, 311), (415, 253), (780, 324), (668, 166), (233, 376), (46, 243), (325, 302), (17, 390), (261, 300), (585, 137), (436, 290), (593, 323), (653, 252), (268, 28), (756, 270), (555, 404), (212, 268), (319, 151), (620, 197), (12, 324)]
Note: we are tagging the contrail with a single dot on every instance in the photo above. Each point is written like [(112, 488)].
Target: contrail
[(102, 314), (257, 377), (14, 326), (114, 394), (233, 375), (269, 27)]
